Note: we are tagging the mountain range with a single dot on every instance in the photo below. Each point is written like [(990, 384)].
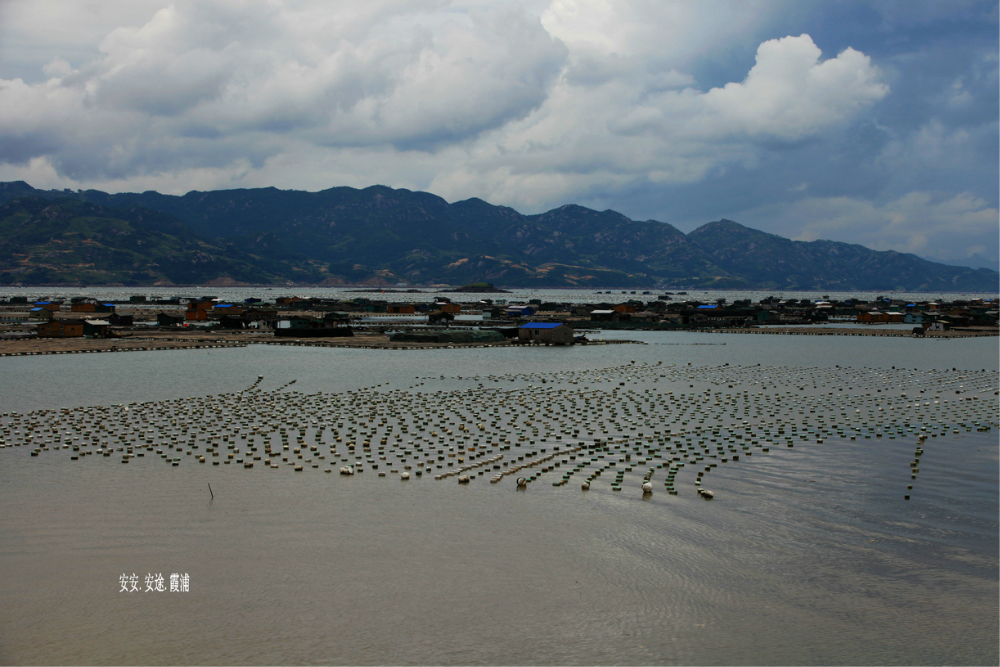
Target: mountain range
[(384, 236)]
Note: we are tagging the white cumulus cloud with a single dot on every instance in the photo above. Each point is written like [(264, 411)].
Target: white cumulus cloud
[(790, 94)]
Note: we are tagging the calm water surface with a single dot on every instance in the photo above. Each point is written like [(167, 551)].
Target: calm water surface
[(806, 556)]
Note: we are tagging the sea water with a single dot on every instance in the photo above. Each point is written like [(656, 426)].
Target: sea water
[(806, 555)]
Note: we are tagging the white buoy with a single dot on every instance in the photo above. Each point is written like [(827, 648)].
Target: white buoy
[(404, 476), (647, 487)]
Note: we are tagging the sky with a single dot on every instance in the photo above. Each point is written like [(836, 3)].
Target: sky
[(864, 121)]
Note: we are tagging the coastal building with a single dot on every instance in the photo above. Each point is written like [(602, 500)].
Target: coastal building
[(336, 317), (95, 328), (261, 323), (261, 318), (233, 322), (607, 315), (311, 327), (871, 317), (92, 307), (520, 311), (61, 329), (165, 320), (15, 317), (959, 319), (117, 320), (299, 323), (553, 333), (51, 306), (439, 316), (205, 304)]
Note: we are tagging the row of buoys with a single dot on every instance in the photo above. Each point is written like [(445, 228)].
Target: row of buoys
[(395, 347), (120, 349), (464, 469), (513, 469), (618, 413)]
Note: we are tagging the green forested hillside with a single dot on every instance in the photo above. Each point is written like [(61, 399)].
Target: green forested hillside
[(67, 241), (380, 235)]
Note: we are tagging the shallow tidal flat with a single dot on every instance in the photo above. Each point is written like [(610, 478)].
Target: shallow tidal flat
[(641, 509)]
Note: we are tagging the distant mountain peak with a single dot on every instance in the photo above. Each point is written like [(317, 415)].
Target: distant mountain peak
[(575, 208), (724, 225)]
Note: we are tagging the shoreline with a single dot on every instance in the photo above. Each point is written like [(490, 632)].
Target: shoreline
[(857, 331), (378, 341), (199, 341)]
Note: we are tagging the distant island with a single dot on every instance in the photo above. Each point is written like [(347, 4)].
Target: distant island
[(478, 288), (395, 238)]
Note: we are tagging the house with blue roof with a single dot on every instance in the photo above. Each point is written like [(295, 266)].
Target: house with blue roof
[(92, 306), (549, 333)]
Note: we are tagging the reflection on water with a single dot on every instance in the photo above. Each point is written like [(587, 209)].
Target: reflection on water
[(806, 556), (69, 380)]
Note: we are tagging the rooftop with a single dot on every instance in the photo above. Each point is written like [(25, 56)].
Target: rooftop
[(541, 325)]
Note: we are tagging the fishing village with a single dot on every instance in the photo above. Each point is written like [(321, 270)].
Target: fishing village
[(47, 325)]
